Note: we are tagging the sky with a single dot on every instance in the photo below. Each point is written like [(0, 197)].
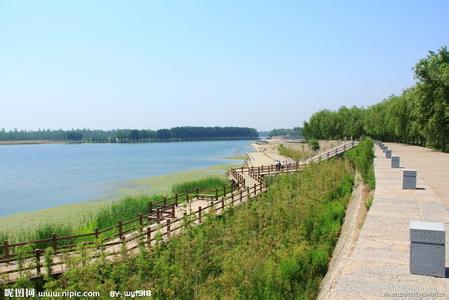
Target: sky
[(160, 64)]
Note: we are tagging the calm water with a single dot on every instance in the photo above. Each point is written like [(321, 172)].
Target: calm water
[(41, 176)]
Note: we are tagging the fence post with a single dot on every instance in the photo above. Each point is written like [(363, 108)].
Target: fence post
[(141, 219), (255, 186), (54, 242), (199, 214), (241, 195), (158, 215), (176, 199), (38, 260), (148, 236), (216, 194), (5, 249), (168, 228), (120, 229), (97, 233), (173, 211), (222, 203), (247, 192)]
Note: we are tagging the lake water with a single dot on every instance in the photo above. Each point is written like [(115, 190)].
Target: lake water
[(41, 176)]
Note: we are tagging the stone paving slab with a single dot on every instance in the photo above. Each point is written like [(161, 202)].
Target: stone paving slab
[(379, 264)]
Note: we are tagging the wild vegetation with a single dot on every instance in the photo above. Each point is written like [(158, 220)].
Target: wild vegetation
[(363, 157), (132, 135), (275, 247), (420, 115), (202, 184), (296, 155)]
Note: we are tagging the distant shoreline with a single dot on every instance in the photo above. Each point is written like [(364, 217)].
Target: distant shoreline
[(31, 142), (38, 142)]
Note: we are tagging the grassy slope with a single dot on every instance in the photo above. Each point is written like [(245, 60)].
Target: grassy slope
[(363, 157), (296, 155), (277, 246)]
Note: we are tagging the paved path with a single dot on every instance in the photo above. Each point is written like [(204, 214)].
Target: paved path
[(379, 263), (432, 167)]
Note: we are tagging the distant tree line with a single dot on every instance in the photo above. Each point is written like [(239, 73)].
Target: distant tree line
[(132, 135), (420, 115), (295, 132)]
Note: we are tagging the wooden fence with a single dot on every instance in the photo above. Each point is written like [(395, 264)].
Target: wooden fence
[(156, 211)]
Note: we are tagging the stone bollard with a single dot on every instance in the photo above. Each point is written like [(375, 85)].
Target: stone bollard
[(409, 179), (427, 249), (395, 161), (387, 153), (385, 148)]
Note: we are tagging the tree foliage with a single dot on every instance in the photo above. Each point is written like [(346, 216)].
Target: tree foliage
[(132, 135), (420, 115), (295, 132)]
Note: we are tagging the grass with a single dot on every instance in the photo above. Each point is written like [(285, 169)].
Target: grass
[(22, 226), (363, 157), (209, 183), (127, 208), (296, 155), (276, 247)]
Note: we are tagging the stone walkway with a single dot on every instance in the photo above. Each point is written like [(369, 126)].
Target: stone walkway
[(379, 264), (432, 166)]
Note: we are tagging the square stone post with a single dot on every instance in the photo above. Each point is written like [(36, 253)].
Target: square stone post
[(408, 179), (387, 153), (427, 249), (395, 161)]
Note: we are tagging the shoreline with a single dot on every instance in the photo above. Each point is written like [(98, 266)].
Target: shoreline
[(49, 142)]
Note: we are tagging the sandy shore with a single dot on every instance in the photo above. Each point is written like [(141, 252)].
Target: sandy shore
[(267, 153)]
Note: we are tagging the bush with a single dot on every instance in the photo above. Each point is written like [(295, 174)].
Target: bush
[(314, 144), (209, 183), (363, 158)]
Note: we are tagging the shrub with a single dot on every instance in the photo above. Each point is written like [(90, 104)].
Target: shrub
[(208, 183), (363, 157), (314, 144)]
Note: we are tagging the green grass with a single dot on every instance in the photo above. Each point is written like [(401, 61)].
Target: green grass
[(276, 247), (108, 215), (363, 157), (296, 155), (22, 226), (209, 183)]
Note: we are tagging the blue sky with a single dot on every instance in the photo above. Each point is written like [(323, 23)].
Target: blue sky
[(157, 64)]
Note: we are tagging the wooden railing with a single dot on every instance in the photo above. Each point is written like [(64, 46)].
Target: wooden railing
[(156, 211), (147, 233)]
